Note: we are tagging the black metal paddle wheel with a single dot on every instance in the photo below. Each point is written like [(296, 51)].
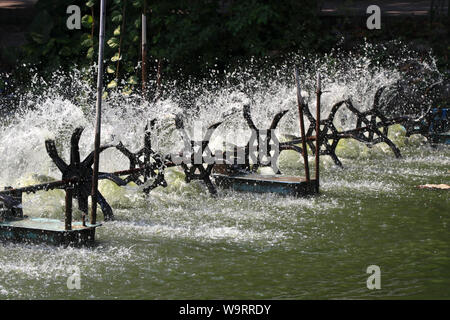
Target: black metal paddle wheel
[(196, 159), (150, 164), (81, 173), (371, 128)]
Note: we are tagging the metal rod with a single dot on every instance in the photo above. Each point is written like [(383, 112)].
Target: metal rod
[(61, 184), (318, 94), (98, 113), (68, 216), (299, 140), (43, 186), (144, 49), (122, 31), (147, 150), (301, 103)]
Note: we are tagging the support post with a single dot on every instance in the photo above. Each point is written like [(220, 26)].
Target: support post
[(68, 216), (144, 50), (98, 113), (301, 103), (147, 152), (18, 212), (318, 94)]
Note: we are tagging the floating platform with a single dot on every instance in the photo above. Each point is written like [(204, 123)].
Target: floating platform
[(435, 126), (280, 184), (441, 186), (440, 126), (49, 231), (442, 138)]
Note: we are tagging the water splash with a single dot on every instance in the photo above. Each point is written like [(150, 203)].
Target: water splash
[(55, 112)]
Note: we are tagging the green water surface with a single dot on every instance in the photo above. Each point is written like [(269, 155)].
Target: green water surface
[(180, 243)]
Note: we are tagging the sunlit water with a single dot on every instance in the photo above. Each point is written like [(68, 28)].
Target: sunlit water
[(180, 243)]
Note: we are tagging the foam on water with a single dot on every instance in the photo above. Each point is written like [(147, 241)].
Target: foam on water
[(29, 275)]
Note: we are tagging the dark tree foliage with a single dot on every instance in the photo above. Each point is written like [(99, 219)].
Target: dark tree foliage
[(187, 38)]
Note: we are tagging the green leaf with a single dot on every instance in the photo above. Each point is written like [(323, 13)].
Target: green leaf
[(133, 80), (134, 35), (90, 3), (113, 42), (116, 16), (129, 67), (87, 21), (117, 31), (127, 91), (116, 57), (90, 53), (87, 42), (110, 69), (137, 3), (112, 84), (137, 23)]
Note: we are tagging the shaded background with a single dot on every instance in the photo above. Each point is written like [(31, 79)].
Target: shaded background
[(194, 39)]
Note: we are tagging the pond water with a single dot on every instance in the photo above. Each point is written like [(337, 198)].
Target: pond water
[(182, 244)]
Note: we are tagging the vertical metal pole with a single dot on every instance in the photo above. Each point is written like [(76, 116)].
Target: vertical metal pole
[(98, 113), (300, 103), (147, 149), (144, 50), (68, 216), (318, 94)]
